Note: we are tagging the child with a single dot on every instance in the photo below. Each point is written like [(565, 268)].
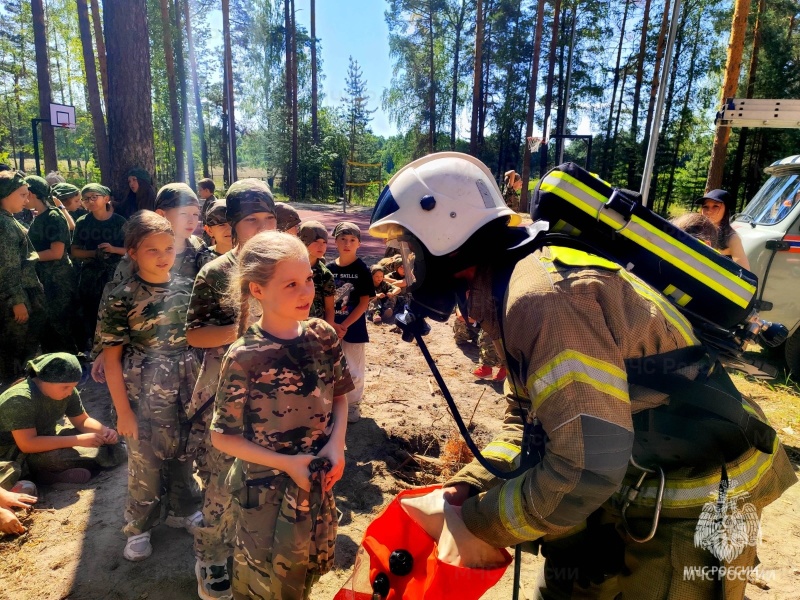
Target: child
[(280, 409), (353, 292), (288, 219), (98, 246), (205, 192), (217, 228), (70, 196), (143, 334), (29, 413), (211, 325), (314, 235), (49, 234), (381, 307), (20, 291)]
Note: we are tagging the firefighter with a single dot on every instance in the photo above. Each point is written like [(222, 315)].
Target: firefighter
[(569, 322)]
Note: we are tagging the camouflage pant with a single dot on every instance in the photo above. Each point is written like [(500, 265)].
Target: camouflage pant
[(650, 571), (380, 305), (56, 461), (200, 411), (463, 334), (285, 540), (488, 352), (512, 200), (20, 341), (61, 291), (147, 475), (213, 542)]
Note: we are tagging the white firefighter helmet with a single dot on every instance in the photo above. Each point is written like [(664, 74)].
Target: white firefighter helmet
[(442, 199)]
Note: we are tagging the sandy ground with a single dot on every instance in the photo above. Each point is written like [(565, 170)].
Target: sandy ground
[(74, 545)]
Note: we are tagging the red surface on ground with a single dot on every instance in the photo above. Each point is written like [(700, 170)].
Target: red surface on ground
[(370, 246)]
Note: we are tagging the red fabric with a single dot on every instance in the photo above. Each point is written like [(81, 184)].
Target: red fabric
[(430, 579)]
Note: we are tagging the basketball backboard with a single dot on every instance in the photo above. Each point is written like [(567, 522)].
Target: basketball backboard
[(62, 115)]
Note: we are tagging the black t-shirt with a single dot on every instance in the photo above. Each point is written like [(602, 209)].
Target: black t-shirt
[(90, 233), (48, 227), (352, 282)]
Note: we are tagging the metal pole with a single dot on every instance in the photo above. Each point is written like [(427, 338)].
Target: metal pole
[(35, 131), (649, 162)]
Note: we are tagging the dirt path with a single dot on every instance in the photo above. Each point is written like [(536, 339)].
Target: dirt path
[(74, 546)]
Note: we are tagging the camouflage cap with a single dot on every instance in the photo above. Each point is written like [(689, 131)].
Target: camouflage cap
[(10, 182), (140, 174), (175, 195), (287, 216), (96, 188), (311, 231), (62, 191), (216, 214), (39, 187), (247, 197), (58, 367), (347, 228)]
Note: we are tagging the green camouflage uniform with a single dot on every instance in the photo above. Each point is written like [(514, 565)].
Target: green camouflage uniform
[(214, 541), (18, 285), (95, 273), (462, 333), (381, 305), (23, 406), (511, 198), (160, 371), (59, 280), (279, 395), (323, 287), (187, 264), (488, 351)]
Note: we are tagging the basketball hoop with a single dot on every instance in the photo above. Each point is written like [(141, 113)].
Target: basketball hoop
[(63, 115), (534, 143)]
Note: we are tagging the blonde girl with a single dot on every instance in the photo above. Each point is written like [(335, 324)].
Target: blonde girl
[(281, 412), (150, 372)]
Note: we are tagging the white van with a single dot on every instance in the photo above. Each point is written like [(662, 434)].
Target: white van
[(770, 230)]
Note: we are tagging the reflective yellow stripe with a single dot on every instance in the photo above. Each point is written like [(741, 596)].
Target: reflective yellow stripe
[(571, 366), (502, 451), (673, 316), (512, 512), (578, 258), (687, 493), (742, 294)]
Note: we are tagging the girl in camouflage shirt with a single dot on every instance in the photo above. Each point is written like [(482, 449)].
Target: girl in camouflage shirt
[(144, 331), (281, 411)]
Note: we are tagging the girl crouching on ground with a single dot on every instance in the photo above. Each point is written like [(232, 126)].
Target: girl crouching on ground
[(281, 411), (144, 330)]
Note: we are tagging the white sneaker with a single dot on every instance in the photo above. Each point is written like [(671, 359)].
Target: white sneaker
[(138, 547), (189, 523)]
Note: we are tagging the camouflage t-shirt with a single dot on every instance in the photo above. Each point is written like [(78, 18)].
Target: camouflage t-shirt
[(324, 287), (24, 406), (151, 317), (279, 393), (17, 262), (210, 287)]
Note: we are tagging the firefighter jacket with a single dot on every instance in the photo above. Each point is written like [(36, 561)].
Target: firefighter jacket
[(570, 320)]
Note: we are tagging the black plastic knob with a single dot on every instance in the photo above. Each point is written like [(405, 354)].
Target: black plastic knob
[(401, 562), (427, 203), (380, 585)]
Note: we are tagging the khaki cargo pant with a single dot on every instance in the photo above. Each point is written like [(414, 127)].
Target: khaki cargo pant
[(213, 542)]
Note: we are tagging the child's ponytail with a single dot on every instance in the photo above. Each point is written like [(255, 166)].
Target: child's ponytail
[(256, 264)]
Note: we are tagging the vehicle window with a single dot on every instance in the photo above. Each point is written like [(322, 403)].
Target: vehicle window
[(775, 200)]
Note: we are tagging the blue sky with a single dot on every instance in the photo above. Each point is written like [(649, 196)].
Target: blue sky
[(354, 28)]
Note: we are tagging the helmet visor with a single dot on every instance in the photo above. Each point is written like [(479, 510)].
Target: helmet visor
[(385, 206), (413, 261)]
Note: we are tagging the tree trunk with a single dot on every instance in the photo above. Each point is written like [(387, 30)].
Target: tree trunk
[(314, 92), (226, 35), (431, 84), (201, 127), (187, 130), (287, 26), (606, 144), (487, 72), (43, 81), (295, 116), (613, 157), (93, 93), (174, 110), (548, 102), (637, 95), (477, 79), (101, 50), (457, 54), (751, 83), (662, 40), (226, 171), (729, 85), (130, 116), (526, 156)]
